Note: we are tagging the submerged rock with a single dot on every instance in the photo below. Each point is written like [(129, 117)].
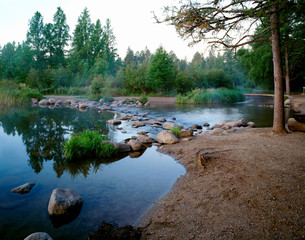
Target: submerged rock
[(167, 137), (23, 189), (64, 202), (39, 236), (107, 231)]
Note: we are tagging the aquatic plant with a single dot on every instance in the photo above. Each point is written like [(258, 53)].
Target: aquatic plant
[(219, 95), (143, 99), (176, 130), (88, 144)]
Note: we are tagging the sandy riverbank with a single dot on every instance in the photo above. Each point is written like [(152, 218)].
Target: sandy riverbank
[(251, 187)]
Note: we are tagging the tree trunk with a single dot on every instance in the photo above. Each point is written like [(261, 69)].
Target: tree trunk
[(278, 114), (287, 76)]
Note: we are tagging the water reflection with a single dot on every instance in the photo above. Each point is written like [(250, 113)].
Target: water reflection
[(44, 131)]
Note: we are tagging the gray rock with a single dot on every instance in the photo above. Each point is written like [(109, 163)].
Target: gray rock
[(195, 127), (114, 122), (185, 133), (58, 103), (52, 101), (169, 125), (167, 137), (82, 106), (136, 145), (39, 236), (125, 118), (137, 124), (160, 119), (251, 124), (64, 202), (122, 147), (232, 124), (216, 126), (145, 139), (43, 102), (242, 123), (23, 189), (206, 124)]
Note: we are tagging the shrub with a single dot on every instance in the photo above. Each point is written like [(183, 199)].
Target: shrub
[(220, 95), (143, 99), (88, 144), (176, 131)]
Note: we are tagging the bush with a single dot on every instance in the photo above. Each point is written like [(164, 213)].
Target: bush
[(88, 144), (12, 94), (143, 99), (220, 95), (176, 131)]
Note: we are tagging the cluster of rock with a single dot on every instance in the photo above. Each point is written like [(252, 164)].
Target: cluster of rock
[(64, 206)]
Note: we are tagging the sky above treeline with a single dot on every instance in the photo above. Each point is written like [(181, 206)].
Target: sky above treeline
[(132, 22)]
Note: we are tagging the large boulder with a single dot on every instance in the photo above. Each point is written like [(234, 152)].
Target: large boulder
[(39, 236), (294, 125), (136, 145), (23, 189), (242, 123), (145, 139), (64, 202), (167, 137), (160, 119)]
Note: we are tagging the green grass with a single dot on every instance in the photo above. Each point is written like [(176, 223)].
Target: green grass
[(219, 95), (143, 99), (88, 144), (176, 131), (12, 94)]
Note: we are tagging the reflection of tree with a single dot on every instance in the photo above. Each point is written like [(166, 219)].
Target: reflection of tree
[(43, 132)]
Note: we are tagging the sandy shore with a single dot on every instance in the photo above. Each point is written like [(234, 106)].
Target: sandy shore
[(252, 187)]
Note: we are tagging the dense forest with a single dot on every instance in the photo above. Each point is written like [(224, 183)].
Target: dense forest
[(53, 61)]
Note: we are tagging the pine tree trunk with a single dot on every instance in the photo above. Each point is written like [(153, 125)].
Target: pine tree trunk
[(287, 77), (278, 114)]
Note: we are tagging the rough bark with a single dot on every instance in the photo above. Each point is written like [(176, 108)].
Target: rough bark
[(278, 116), (287, 76)]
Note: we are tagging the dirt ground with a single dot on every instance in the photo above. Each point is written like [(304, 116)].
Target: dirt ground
[(252, 187)]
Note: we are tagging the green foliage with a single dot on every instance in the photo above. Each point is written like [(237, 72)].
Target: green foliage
[(176, 131), (88, 144), (221, 95), (143, 99), (12, 94), (160, 72), (216, 78)]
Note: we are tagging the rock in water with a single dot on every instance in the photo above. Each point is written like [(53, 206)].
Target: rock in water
[(39, 236), (64, 202), (145, 139), (169, 125), (167, 137), (136, 145), (23, 189)]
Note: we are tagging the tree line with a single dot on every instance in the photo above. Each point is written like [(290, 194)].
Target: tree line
[(53, 61)]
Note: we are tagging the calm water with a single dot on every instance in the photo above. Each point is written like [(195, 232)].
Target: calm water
[(117, 191)]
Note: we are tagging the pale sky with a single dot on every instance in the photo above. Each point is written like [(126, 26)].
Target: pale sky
[(131, 20)]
